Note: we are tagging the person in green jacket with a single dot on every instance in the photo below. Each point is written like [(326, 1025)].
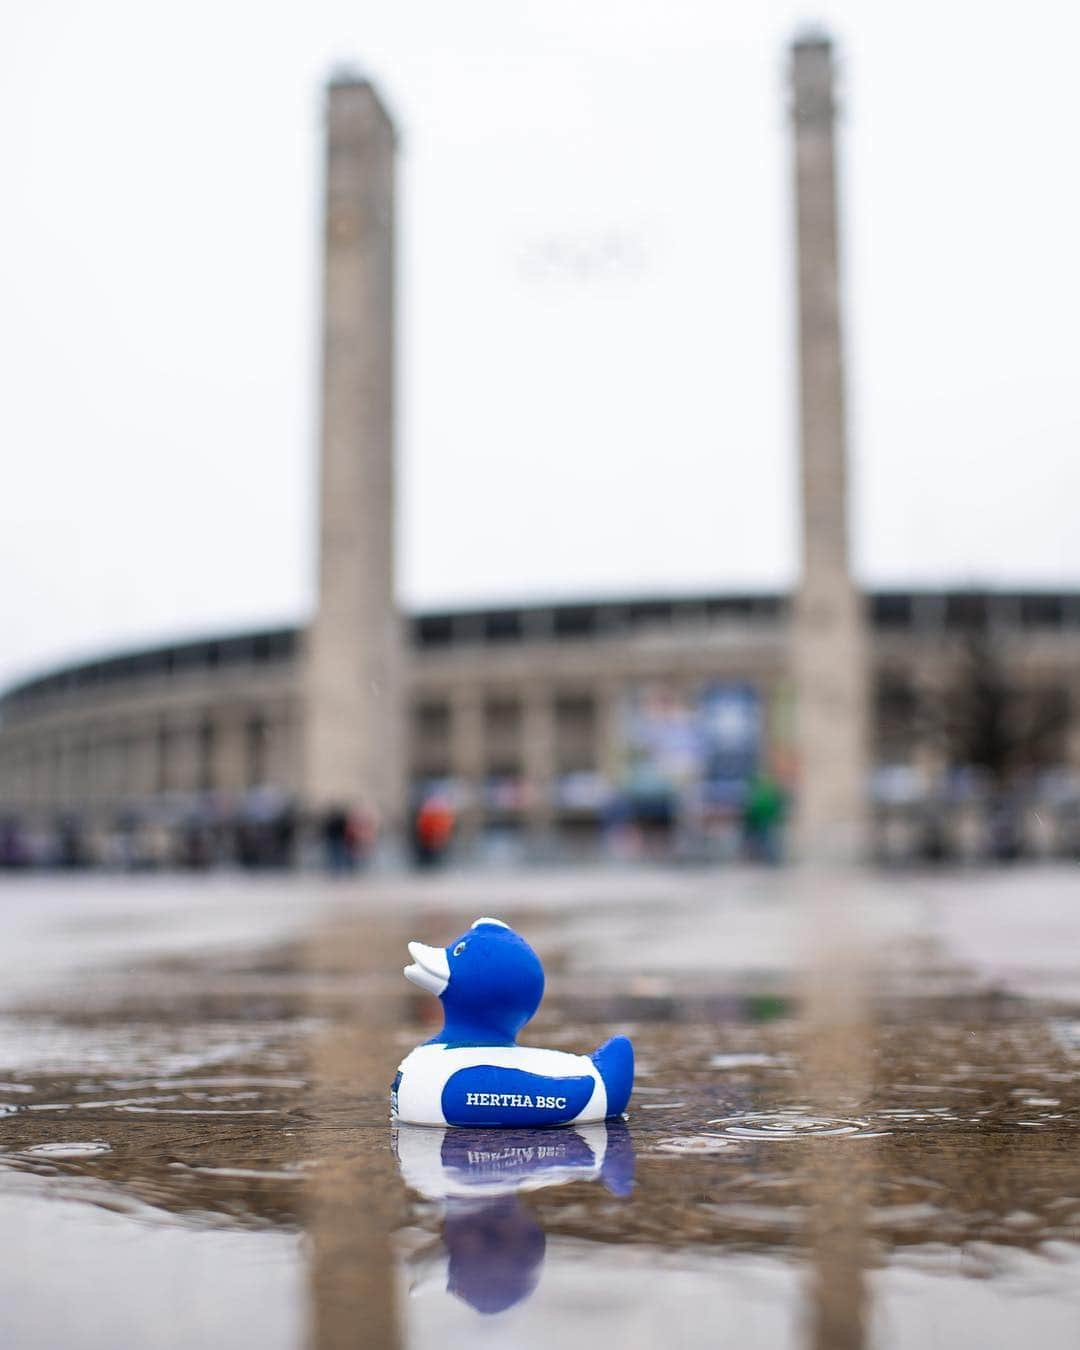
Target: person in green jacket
[(763, 815)]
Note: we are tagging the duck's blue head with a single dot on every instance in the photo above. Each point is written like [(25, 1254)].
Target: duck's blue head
[(489, 980)]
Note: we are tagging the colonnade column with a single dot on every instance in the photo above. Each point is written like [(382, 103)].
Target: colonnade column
[(230, 750), (609, 713), (538, 753), (467, 753)]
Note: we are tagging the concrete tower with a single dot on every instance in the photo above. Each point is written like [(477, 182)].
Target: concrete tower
[(829, 658), (353, 714)]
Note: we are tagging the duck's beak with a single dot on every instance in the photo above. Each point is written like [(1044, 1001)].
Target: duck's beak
[(431, 969)]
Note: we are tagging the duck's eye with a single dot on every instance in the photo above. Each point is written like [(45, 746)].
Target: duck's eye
[(460, 948)]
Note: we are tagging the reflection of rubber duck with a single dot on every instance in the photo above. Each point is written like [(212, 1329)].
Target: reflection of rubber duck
[(470, 1164), (492, 1244), (495, 1253), (490, 983)]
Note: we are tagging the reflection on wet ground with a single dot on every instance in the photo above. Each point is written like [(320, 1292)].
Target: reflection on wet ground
[(843, 1153), (492, 1245)]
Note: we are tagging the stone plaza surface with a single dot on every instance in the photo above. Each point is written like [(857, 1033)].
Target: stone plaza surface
[(856, 1120)]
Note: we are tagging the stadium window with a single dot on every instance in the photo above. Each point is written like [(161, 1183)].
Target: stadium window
[(432, 720), (503, 625), (1042, 611), (434, 630), (578, 621), (891, 610)]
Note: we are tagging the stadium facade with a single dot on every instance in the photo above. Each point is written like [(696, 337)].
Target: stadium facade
[(530, 713)]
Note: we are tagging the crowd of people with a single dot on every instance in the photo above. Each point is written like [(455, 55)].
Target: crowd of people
[(266, 830)]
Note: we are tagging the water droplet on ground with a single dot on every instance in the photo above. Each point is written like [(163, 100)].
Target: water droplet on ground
[(693, 1144), (790, 1124)]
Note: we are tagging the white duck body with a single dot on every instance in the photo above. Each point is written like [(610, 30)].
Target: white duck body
[(551, 1090)]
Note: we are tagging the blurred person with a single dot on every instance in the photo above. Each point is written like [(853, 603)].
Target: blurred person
[(14, 851), (284, 835), (432, 830), (196, 842), (1005, 832), (335, 837), (933, 838), (361, 832), (70, 842), (348, 837), (656, 815), (764, 808), (622, 838)]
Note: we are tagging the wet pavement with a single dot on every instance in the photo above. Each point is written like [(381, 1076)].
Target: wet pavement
[(856, 1120)]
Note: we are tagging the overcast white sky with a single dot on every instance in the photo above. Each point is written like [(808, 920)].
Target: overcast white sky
[(566, 429)]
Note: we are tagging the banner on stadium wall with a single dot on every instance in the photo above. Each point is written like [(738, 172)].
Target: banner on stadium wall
[(732, 721), (711, 740), (661, 738)]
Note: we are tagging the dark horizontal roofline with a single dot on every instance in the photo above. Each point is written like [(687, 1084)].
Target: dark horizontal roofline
[(279, 641), (449, 626)]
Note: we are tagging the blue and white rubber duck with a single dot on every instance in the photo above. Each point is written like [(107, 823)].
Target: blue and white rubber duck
[(490, 983)]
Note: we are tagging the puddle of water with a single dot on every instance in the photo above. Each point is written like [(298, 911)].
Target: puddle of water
[(91, 1273), (253, 1133)]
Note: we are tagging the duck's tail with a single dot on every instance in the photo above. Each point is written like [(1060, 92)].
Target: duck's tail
[(615, 1064)]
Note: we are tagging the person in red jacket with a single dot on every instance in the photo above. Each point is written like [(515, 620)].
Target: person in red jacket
[(433, 827)]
